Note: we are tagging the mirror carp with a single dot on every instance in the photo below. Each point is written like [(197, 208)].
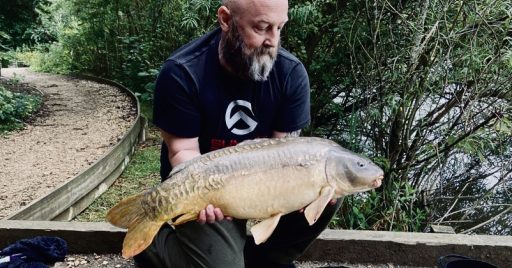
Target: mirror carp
[(256, 179)]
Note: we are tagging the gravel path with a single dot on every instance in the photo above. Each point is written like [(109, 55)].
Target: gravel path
[(79, 122), (116, 261)]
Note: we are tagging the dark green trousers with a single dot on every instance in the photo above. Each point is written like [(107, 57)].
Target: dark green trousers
[(225, 244)]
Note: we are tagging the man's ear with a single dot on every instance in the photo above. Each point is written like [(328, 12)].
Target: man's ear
[(224, 18)]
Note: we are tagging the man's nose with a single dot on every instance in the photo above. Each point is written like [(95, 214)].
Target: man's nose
[(272, 37)]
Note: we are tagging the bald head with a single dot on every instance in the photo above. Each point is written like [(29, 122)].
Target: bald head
[(251, 32), (240, 8), (232, 5)]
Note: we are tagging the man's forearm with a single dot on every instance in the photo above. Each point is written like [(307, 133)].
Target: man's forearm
[(183, 156), (180, 149)]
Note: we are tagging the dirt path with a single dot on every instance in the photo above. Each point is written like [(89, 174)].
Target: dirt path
[(112, 260), (80, 122)]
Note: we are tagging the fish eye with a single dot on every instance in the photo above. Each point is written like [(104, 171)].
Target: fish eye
[(360, 164)]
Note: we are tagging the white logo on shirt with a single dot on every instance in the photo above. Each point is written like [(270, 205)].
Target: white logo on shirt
[(231, 120)]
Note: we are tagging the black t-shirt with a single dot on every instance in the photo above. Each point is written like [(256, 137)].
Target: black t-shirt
[(196, 97)]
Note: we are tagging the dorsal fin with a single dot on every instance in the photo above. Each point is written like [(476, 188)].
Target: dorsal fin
[(249, 142), (178, 168)]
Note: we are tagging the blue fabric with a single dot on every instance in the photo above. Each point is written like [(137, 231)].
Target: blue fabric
[(35, 252)]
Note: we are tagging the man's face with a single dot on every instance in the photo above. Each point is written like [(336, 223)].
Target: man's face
[(255, 63), (252, 41)]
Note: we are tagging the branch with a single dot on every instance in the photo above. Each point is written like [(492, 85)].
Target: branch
[(461, 138), (454, 202), (474, 207), (478, 25), (487, 221), (489, 191), (439, 112)]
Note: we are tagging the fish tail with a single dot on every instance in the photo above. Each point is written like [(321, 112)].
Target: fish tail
[(129, 214), (138, 238)]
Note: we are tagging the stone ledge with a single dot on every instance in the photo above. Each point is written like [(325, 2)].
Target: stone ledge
[(411, 249), (82, 237)]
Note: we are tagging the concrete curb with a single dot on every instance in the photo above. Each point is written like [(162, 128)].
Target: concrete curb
[(412, 249), (399, 248)]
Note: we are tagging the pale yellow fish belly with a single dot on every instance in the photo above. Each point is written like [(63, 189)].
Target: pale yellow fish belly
[(264, 194)]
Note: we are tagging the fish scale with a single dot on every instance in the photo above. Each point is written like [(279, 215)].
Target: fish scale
[(262, 178)]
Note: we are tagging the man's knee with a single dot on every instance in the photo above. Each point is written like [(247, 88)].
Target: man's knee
[(221, 259), (196, 245), (219, 244), (148, 259)]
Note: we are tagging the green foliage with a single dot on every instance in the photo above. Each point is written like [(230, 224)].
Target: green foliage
[(14, 108), (423, 88), (19, 21), (46, 58), (122, 40), (394, 208), (6, 58), (6, 54), (146, 95)]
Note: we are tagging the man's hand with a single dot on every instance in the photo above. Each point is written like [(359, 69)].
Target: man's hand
[(211, 214)]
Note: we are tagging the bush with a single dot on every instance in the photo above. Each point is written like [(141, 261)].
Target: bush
[(14, 108), (396, 207), (46, 58)]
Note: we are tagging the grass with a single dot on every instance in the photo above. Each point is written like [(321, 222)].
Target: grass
[(141, 173)]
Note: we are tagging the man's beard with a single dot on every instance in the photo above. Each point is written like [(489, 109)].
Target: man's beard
[(255, 65)]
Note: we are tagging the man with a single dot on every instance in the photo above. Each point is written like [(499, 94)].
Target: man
[(232, 84)]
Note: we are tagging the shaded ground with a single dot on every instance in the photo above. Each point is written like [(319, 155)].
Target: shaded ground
[(79, 122), (117, 261)]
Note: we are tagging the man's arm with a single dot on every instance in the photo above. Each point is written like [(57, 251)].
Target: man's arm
[(180, 149), (184, 149)]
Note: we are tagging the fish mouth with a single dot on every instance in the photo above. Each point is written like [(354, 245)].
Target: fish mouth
[(377, 182)]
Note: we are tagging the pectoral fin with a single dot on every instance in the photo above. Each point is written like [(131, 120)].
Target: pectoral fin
[(262, 231), (315, 209), (184, 218)]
